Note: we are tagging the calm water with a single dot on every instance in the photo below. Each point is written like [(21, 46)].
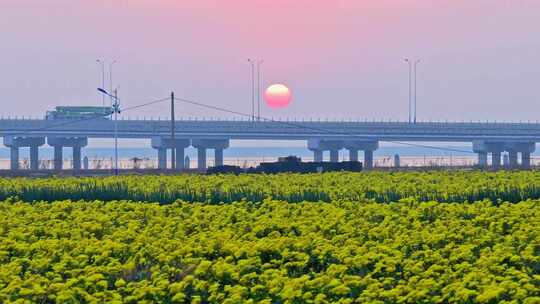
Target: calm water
[(249, 152)]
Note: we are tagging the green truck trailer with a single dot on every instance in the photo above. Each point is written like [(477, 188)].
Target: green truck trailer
[(79, 112)]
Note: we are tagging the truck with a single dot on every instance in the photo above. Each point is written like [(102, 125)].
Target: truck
[(79, 112)]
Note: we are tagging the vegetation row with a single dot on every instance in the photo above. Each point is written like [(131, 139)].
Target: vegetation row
[(271, 251), (380, 187)]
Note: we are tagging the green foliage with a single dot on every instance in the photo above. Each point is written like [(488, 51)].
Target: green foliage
[(456, 186), (271, 239), (269, 252)]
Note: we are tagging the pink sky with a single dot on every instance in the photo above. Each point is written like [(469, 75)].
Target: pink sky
[(342, 59)]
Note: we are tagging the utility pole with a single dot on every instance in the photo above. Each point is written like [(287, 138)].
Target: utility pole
[(116, 111), (110, 77), (259, 62), (173, 131), (116, 107), (252, 89)]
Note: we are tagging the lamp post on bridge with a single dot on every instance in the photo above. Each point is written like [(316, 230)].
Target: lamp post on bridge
[(412, 70), (416, 62), (173, 135), (259, 63), (252, 63), (102, 63)]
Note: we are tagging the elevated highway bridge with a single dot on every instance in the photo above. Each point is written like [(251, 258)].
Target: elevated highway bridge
[(518, 139)]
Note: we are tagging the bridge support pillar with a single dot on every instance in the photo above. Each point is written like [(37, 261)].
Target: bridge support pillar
[(525, 160), (482, 159), (334, 155), (353, 154), (34, 158), (58, 158), (496, 159), (318, 146), (513, 159), (525, 148), (495, 148), (217, 144), (180, 154), (513, 148), (162, 158), (76, 143), (77, 158), (367, 146), (396, 161), (218, 155), (14, 143), (201, 158), (178, 145), (368, 159), (14, 158), (317, 156)]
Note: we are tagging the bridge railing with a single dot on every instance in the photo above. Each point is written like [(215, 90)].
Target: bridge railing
[(302, 120)]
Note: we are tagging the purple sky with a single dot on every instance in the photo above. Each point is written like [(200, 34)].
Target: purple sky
[(341, 59)]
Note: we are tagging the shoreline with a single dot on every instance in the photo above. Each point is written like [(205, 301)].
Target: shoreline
[(101, 163)]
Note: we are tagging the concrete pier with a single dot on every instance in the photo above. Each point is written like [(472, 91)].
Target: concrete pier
[(179, 160), (317, 156), (366, 146), (77, 163), (162, 158), (162, 144), (525, 160), (496, 159), (34, 158), (318, 146), (482, 159), (334, 155), (218, 156), (201, 158), (14, 158), (525, 149), (76, 143), (14, 143), (353, 154), (496, 149), (203, 144), (368, 159), (513, 159), (58, 157)]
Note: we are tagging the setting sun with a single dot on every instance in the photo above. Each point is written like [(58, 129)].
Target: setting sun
[(277, 96)]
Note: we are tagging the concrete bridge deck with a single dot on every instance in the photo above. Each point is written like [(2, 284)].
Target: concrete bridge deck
[(294, 130)]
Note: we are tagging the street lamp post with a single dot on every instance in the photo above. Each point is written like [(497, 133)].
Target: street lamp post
[(116, 111), (102, 77), (409, 63), (259, 63), (415, 64), (252, 63)]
